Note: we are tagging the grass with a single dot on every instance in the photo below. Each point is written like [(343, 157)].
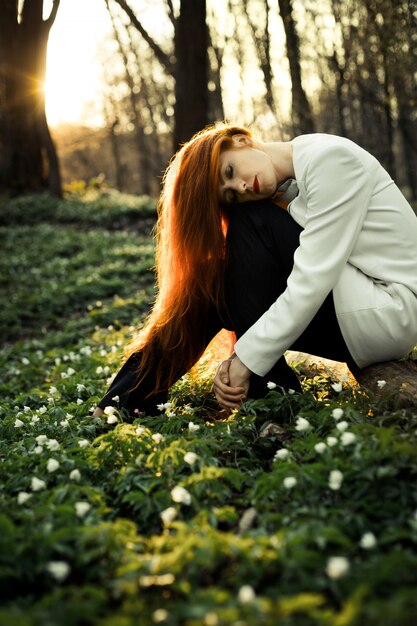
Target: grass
[(93, 526)]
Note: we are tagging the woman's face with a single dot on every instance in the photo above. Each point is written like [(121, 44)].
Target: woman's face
[(246, 173)]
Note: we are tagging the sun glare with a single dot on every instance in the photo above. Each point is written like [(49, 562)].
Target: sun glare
[(73, 67)]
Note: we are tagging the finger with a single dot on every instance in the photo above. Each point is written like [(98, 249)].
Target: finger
[(224, 396), (232, 393), (229, 405), (232, 389), (223, 372)]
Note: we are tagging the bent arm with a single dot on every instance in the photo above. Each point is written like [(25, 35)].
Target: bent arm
[(338, 188)]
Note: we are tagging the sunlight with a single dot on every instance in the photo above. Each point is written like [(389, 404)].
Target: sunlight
[(73, 67)]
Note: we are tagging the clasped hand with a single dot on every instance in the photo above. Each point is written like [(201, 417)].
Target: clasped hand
[(231, 383)]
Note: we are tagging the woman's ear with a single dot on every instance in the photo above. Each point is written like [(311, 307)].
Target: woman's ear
[(241, 140)]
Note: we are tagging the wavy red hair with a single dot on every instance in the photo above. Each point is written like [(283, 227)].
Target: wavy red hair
[(190, 257)]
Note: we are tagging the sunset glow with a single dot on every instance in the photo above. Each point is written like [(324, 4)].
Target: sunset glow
[(73, 67)]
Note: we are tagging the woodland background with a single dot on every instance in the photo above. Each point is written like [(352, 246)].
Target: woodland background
[(284, 67), (298, 509)]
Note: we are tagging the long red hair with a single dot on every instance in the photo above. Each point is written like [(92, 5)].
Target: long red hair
[(190, 257)]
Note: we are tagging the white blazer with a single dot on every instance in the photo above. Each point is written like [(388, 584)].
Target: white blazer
[(359, 240)]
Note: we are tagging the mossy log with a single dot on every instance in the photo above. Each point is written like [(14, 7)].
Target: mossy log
[(398, 376)]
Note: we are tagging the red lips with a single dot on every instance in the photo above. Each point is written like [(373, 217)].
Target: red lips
[(256, 185)]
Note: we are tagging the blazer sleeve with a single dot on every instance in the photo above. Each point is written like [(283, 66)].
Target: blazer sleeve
[(337, 187)]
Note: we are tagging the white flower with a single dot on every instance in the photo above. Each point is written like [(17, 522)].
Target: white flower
[(25, 361), (42, 409), (320, 447), (52, 465), (58, 569), (302, 424), (116, 398), (41, 439), (53, 390), (381, 383), (83, 443), (337, 566), (82, 508), (75, 474), (64, 424), (79, 401), (281, 454), (337, 413), (188, 409), (70, 371), (112, 419), (170, 414), (246, 594), (335, 479), (18, 423), (109, 410), (271, 385), (347, 439), (181, 495), (190, 458), (160, 615), (157, 437), (289, 482), (37, 484), (27, 409), (52, 444), (140, 430), (64, 375), (164, 406), (291, 392), (168, 515), (337, 387), (368, 541), (38, 449), (331, 441), (23, 496), (34, 419), (342, 426), (193, 427)]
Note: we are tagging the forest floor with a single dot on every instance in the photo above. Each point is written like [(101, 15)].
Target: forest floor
[(296, 510)]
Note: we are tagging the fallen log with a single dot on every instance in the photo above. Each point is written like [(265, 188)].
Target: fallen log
[(397, 376), (391, 376)]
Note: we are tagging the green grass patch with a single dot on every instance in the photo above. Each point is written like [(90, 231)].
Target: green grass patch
[(187, 517)]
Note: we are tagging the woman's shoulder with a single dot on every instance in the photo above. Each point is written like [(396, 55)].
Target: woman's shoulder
[(320, 147)]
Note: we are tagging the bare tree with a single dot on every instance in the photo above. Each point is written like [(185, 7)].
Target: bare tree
[(302, 117), (189, 65), (28, 160)]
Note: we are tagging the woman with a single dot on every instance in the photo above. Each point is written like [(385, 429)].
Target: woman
[(333, 273)]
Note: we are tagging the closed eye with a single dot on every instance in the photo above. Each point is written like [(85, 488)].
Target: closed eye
[(229, 172)]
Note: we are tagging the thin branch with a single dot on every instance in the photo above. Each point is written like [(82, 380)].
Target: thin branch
[(51, 19), (162, 57)]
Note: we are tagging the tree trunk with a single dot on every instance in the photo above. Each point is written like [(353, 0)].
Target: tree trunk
[(191, 70), (302, 117), (28, 158)]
